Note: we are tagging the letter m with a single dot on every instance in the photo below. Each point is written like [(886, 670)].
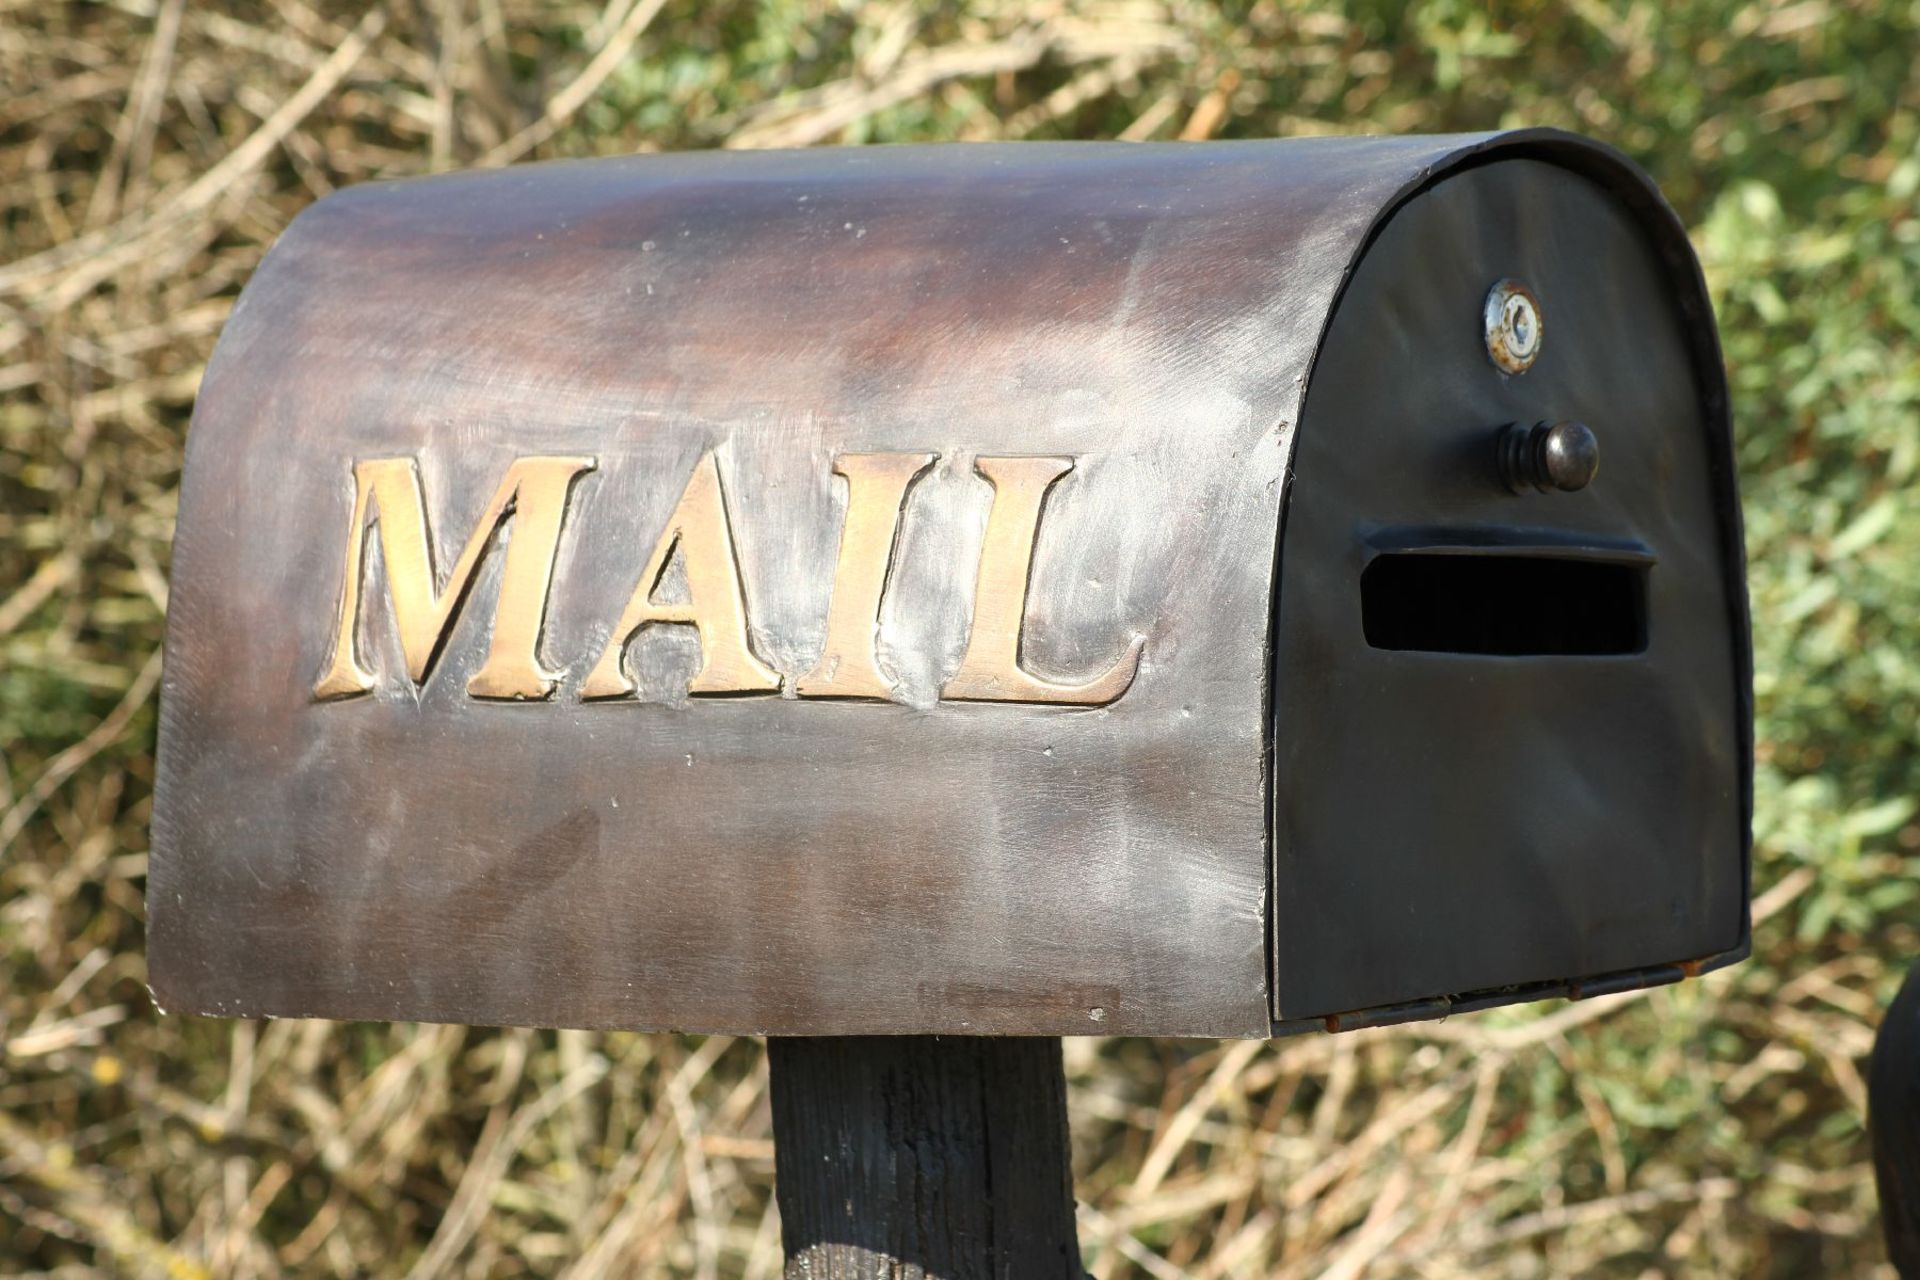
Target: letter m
[(387, 496)]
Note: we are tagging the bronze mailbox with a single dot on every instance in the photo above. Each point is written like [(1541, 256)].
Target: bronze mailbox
[(1202, 590)]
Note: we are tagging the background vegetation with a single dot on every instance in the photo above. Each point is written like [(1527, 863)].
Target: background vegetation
[(150, 150)]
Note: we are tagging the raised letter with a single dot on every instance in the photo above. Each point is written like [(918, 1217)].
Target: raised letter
[(991, 671), (877, 485), (714, 605), (387, 490)]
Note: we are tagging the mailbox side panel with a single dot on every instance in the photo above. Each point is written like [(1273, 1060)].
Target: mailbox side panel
[(755, 863)]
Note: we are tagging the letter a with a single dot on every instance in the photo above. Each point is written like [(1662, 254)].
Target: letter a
[(387, 492), (991, 670), (715, 604)]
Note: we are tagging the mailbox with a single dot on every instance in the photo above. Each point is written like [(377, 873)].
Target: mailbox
[(1211, 590)]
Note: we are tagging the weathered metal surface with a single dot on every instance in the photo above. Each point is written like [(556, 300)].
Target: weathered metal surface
[(858, 598)]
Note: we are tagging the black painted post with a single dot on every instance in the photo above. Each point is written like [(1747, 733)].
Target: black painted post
[(923, 1158)]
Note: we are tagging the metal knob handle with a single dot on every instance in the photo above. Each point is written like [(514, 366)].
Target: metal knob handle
[(1563, 456)]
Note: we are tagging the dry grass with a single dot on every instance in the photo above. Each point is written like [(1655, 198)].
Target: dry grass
[(150, 150)]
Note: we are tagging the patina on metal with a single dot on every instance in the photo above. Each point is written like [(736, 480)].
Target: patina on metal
[(972, 590)]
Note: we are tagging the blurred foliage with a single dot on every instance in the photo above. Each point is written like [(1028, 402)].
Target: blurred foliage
[(150, 150)]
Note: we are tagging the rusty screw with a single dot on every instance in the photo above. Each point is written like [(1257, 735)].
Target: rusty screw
[(1514, 327)]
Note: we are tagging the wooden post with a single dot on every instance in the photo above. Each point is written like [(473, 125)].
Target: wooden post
[(923, 1158)]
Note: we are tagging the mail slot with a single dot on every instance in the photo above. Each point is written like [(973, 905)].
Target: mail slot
[(1208, 590)]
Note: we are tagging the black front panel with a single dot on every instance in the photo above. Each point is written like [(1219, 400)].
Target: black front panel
[(1507, 732)]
